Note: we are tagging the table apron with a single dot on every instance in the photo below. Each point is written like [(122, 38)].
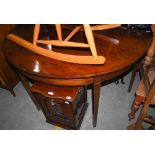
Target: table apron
[(78, 81)]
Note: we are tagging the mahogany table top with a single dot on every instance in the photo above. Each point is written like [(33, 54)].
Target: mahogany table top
[(131, 47)]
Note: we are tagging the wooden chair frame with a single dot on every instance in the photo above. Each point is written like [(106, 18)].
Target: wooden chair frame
[(143, 114), (94, 59), (147, 101), (140, 68)]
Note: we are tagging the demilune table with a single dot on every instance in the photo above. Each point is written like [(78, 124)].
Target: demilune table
[(121, 53)]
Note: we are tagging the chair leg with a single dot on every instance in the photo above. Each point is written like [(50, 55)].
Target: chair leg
[(142, 115), (36, 33), (90, 39), (145, 107), (135, 106), (133, 127)]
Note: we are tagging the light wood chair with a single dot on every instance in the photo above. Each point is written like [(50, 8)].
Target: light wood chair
[(94, 59), (148, 60), (145, 94)]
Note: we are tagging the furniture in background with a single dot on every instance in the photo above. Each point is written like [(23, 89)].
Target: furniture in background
[(148, 60), (8, 77), (120, 56), (146, 88), (62, 106)]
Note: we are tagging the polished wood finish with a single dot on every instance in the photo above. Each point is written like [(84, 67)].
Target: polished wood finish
[(121, 57), (8, 77), (65, 93), (104, 26), (62, 106), (74, 31)]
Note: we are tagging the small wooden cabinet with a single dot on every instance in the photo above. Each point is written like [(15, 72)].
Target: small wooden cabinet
[(8, 77), (62, 106)]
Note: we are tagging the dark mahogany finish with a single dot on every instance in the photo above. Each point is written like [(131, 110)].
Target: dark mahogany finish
[(120, 58), (62, 106), (8, 77)]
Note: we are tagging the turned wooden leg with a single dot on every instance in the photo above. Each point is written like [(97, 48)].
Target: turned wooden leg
[(95, 101), (135, 106)]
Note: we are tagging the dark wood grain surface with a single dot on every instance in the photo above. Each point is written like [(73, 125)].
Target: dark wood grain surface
[(8, 77), (131, 47)]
